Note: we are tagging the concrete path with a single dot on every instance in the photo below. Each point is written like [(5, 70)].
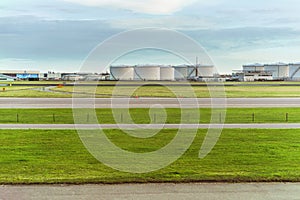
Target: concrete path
[(149, 126), (192, 191), (146, 102)]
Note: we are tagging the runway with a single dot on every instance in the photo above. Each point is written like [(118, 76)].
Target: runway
[(147, 126), (193, 191), (147, 102)]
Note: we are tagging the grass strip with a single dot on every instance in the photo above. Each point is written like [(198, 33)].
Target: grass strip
[(144, 116), (234, 90), (48, 156), (244, 91)]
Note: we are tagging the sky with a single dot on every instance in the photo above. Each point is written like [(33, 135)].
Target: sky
[(57, 35)]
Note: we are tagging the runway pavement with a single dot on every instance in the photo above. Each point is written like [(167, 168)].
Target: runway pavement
[(149, 126), (147, 102), (193, 191)]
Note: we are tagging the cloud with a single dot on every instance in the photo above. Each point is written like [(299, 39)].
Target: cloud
[(242, 39), (171, 22), (31, 38), (140, 6)]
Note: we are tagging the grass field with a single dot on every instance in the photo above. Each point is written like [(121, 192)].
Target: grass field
[(200, 92), (152, 82), (238, 90), (44, 156), (141, 116), (28, 91)]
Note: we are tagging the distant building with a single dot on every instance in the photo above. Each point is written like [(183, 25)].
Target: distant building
[(22, 74), (6, 78), (250, 76), (72, 77), (276, 71), (294, 71), (95, 77), (253, 72), (280, 71), (256, 67), (51, 76)]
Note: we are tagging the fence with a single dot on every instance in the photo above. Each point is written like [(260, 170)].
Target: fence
[(144, 118)]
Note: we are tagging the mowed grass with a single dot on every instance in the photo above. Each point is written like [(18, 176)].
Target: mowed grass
[(33, 94), (151, 82), (145, 116), (199, 91), (58, 156), (29, 91)]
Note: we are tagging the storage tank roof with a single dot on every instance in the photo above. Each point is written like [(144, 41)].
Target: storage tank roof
[(147, 65), (181, 65), (119, 66), (277, 64), (254, 65), (296, 63), (165, 66)]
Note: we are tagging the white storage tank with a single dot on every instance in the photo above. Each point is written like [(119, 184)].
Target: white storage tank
[(125, 73), (279, 70), (167, 73), (147, 72), (206, 70), (180, 72)]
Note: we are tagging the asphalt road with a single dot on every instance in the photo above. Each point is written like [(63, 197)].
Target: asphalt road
[(148, 126), (146, 102), (251, 191)]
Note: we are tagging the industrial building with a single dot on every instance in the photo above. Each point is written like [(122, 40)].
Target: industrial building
[(267, 72), (250, 76), (84, 76), (21, 75), (50, 76), (257, 67), (294, 71), (6, 78), (11, 75), (162, 72), (280, 71)]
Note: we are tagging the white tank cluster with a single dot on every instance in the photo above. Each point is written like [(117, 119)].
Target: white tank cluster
[(279, 71), (161, 72)]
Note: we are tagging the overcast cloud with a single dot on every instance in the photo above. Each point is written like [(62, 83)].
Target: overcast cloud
[(141, 6), (59, 34)]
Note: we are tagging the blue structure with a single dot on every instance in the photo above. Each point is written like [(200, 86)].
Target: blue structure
[(28, 76)]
